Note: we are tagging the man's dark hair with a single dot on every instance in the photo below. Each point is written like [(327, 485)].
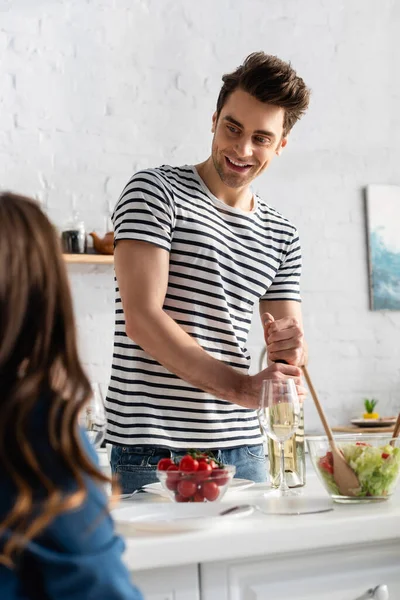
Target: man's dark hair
[(272, 81)]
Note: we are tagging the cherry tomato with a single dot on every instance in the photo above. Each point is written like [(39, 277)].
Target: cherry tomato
[(164, 463), (221, 476), (385, 455), (173, 477), (198, 497), (213, 464), (188, 464), (187, 488), (173, 469), (179, 498), (204, 471), (323, 464), (210, 490), (326, 462)]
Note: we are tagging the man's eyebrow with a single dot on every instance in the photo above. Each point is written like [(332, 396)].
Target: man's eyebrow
[(258, 131)]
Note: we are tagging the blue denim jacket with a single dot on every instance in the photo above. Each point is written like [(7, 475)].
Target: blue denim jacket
[(78, 556)]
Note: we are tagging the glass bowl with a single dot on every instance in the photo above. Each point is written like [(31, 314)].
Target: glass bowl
[(197, 486), (374, 461)]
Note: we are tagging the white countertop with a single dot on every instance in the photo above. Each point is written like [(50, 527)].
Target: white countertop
[(260, 534)]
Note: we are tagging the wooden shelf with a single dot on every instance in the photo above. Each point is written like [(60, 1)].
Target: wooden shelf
[(94, 259)]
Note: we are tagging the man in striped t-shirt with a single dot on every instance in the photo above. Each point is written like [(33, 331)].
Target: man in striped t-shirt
[(195, 252)]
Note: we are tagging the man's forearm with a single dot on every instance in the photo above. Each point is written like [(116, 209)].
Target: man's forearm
[(163, 339)]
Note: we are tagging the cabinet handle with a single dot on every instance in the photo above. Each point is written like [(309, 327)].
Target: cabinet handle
[(380, 592)]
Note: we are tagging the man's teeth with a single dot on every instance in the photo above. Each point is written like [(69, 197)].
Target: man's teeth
[(237, 164)]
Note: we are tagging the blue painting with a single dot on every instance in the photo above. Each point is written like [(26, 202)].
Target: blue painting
[(383, 224)]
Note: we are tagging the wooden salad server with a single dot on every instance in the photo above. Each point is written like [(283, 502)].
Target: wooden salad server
[(396, 431), (343, 474)]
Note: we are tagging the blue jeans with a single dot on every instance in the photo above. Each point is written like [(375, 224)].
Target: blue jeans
[(136, 466)]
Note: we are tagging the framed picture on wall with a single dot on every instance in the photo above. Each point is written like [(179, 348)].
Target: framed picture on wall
[(383, 233)]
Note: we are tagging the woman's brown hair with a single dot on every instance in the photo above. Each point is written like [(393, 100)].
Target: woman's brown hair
[(270, 80), (39, 367)]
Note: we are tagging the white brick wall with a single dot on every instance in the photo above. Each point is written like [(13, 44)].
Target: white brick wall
[(92, 90)]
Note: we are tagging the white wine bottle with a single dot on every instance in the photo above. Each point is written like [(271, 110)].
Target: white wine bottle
[(295, 458), (295, 464)]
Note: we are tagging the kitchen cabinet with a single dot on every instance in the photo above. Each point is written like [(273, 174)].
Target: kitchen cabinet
[(343, 573), (336, 555), (173, 583)]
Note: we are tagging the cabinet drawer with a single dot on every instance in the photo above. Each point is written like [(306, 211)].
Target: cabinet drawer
[(337, 574), (172, 583)]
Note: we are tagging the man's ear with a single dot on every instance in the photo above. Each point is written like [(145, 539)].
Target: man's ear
[(281, 145), (214, 122)]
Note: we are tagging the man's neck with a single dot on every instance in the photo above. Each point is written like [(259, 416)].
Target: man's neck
[(235, 197)]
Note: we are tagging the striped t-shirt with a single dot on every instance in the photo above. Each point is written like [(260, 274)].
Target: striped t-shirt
[(223, 260)]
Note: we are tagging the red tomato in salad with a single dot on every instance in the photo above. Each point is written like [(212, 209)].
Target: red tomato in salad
[(187, 464), (385, 455), (326, 463)]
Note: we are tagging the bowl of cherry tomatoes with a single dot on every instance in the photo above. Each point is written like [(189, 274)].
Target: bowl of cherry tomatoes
[(196, 477)]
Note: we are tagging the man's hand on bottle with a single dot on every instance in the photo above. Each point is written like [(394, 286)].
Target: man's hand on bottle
[(275, 372)]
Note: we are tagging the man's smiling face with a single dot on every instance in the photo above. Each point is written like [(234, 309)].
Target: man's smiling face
[(247, 135)]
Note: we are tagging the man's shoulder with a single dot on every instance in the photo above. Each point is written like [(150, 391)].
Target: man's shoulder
[(270, 214), (166, 174), (162, 184)]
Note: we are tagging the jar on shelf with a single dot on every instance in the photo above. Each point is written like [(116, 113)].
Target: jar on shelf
[(73, 237)]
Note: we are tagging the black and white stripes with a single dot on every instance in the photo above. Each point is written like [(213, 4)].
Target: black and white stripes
[(222, 261)]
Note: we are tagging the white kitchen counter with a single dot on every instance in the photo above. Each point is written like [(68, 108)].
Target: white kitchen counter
[(336, 555), (261, 534)]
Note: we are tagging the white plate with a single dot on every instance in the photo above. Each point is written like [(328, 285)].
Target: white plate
[(235, 486), (166, 518), (294, 505), (383, 422)]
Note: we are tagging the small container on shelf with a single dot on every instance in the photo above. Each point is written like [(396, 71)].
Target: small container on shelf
[(73, 237), (104, 245)]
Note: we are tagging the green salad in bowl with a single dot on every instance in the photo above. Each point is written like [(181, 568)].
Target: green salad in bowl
[(373, 459)]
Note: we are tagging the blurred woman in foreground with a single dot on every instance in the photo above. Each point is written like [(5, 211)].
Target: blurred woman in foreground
[(56, 535)]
